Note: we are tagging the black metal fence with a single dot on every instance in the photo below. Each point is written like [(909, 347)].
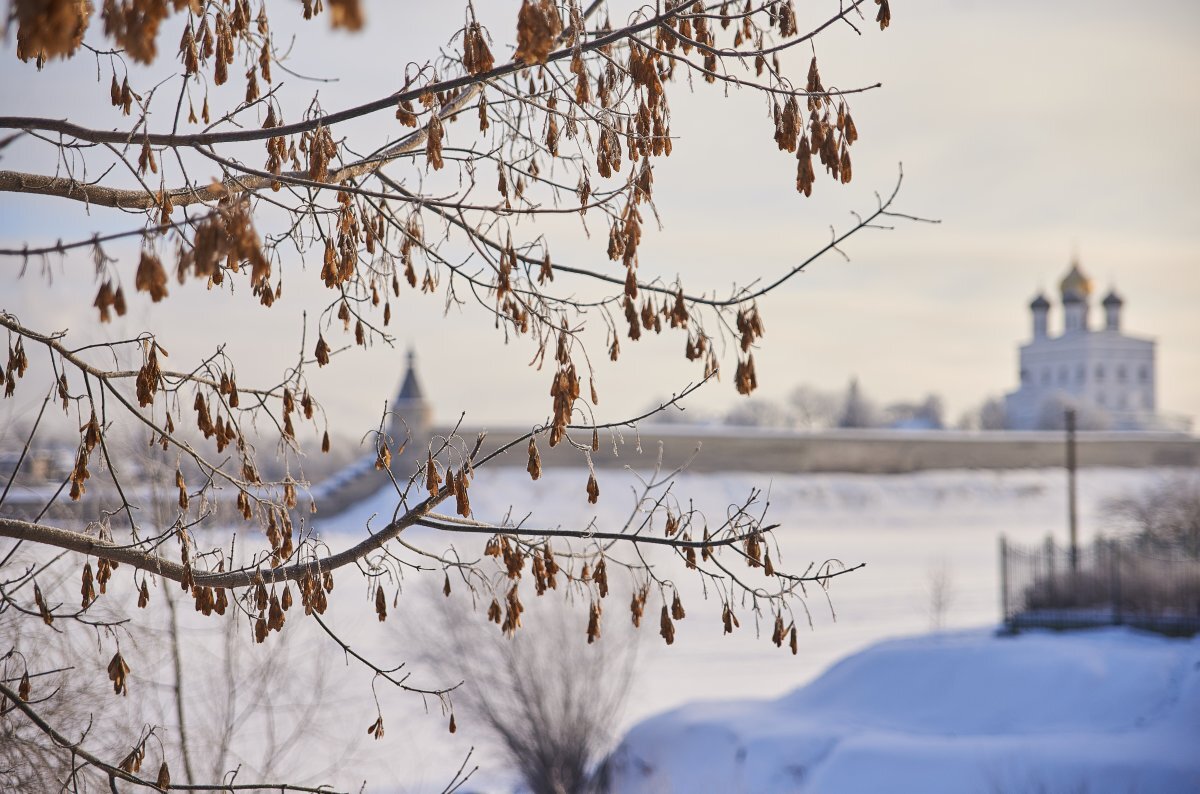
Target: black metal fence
[(1106, 583)]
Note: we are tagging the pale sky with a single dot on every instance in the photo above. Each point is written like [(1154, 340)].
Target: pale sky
[(1030, 129)]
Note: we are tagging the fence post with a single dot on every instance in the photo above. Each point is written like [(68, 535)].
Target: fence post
[(1115, 563), (1004, 614), (1072, 498), (1051, 574)]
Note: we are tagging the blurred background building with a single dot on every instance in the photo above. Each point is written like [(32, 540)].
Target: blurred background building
[(1105, 374)]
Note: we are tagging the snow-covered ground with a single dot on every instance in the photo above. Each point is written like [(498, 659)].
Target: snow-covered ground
[(1107, 710), (917, 533)]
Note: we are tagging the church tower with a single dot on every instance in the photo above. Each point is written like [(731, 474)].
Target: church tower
[(1076, 291), (411, 414)]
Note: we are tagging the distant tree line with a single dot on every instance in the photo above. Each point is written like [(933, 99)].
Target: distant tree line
[(809, 407)]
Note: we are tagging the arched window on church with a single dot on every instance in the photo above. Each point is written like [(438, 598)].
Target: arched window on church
[(1100, 372), (1046, 376), (1080, 373), (1121, 373), (1062, 374), (1143, 373)]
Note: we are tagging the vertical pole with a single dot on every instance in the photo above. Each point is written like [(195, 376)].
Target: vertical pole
[(1118, 618), (1072, 515), (1004, 584)]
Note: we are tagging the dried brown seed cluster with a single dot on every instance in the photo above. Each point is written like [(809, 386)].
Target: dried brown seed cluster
[(49, 28), (380, 603), (80, 474), (320, 149), (593, 627), (753, 548), (43, 607), (745, 377), (512, 611), (565, 391), (109, 298), (534, 467), (225, 240), (538, 24), (666, 628), (344, 13), (884, 17), (87, 589), (121, 95), (729, 619), (477, 57), (18, 363), (433, 142), (151, 276), (132, 763), (118, 671)]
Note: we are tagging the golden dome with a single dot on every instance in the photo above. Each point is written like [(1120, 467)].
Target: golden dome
[(1076, 283)]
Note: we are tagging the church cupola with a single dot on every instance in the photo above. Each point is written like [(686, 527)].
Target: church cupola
[(1112, 311), (1040, 307), (1076, 289)]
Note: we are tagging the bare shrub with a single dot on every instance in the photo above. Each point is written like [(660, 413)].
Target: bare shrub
[(550, 703), (1164, 516)]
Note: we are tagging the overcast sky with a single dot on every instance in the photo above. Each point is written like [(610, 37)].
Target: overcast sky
[(1030, 129)]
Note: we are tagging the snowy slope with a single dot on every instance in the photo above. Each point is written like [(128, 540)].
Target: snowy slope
[(1103, 711)]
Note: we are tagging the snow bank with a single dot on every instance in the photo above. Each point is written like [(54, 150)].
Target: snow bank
[(1100, 711)]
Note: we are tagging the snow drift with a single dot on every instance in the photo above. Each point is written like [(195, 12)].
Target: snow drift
[(1100, 711)]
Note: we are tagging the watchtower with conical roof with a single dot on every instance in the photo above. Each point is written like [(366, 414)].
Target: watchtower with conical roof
[(411, 414)]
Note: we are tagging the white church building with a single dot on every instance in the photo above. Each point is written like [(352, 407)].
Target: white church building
[(1108, 376)]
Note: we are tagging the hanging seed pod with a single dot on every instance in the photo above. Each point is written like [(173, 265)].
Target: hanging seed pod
[(87, 590), (380, 604), (461, 501), (637, 605), (43, 609), (666, 628), (535, 461), (433, 480), (884, 18), (118, 671), (593, 489), (593, 628), (600, 577), (729, 619)]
